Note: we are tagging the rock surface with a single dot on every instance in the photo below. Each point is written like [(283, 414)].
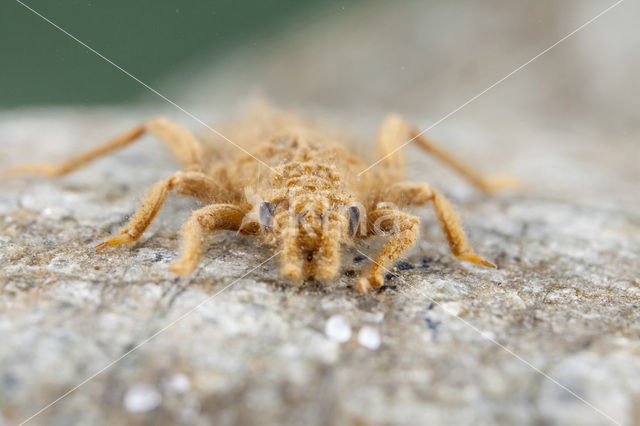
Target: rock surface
[(550, 337), (237, 343)]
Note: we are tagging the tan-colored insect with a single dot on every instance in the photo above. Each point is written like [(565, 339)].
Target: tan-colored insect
[(306, 195)]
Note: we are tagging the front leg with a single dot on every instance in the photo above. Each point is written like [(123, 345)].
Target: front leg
[(416, 194), (195, 184), (402, 230), (211, 218)]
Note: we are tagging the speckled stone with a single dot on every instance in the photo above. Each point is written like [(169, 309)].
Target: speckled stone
[(235, 344), (253, 346)]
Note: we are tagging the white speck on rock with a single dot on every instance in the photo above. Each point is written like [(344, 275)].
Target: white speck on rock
[(189, 412), (338, 329), (177, 384), (452, 308), (369, 337), (489, 335), (141, 398)]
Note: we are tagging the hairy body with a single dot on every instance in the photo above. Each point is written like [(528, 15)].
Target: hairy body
[(296, 186)]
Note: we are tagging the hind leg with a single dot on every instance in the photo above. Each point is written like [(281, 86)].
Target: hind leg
[(195, 184), (184, 145), (396, 133)]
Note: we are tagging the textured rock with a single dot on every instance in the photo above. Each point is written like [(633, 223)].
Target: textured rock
[(238, 344), (253, 347)]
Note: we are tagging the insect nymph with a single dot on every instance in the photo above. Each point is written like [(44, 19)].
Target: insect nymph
[(296, 187)]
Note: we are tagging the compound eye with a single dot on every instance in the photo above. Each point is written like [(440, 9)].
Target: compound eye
[(265, 214), (354, 220)]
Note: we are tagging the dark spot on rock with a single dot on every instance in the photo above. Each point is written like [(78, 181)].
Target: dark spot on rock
[(433, 325), (66, 305), (386, 287), (68, 218), (359, 258), (9, 382), (404, 266), (431, 306), (350, 273), (158, 257), (390, 276)]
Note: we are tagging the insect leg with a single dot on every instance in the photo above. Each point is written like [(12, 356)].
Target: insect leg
[(211, 218), (77, 161), (184, 145), (416, 194), (403, 194), (396, 132), (392, 134), (390, 221), (450, 224), (195, 184), (402, 230)]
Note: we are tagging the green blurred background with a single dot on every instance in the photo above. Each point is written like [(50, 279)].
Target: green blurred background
[(149, 38)]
